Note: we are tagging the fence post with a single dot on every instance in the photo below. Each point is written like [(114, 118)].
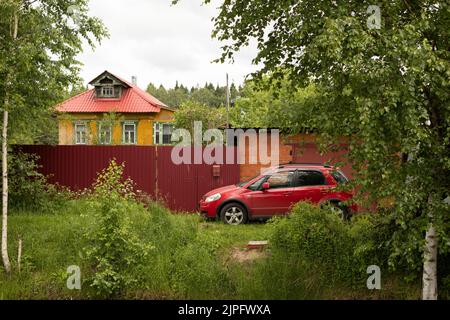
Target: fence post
[(156, 173)]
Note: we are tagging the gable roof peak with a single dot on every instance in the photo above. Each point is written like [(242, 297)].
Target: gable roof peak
[(133, 99), (115, 79)]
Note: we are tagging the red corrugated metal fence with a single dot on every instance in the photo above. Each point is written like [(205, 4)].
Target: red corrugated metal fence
[(151, 168)]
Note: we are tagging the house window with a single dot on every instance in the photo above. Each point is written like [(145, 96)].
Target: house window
[(129, 133), (163, 133), (80, 133), (108, 92), (105, 133)]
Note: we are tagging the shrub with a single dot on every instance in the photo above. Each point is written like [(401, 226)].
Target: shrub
[(115, 253), (29, 189), (370, 234), (340, 251)]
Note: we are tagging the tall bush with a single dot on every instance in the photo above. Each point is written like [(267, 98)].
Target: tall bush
[(116, 254)]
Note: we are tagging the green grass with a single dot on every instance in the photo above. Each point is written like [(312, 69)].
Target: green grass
[(51, 243), (192, 259)]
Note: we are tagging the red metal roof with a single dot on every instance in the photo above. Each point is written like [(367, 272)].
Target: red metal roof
[(133, 100)]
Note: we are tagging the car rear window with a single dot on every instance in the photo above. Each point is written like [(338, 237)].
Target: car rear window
[(339, 177), (308, 178)]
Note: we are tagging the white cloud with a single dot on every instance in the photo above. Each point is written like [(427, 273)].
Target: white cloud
[(161, 43)]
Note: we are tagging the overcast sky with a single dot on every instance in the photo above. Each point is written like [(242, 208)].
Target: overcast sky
[(161, 43)]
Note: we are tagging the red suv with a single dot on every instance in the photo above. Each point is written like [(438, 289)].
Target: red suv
[(275, 192)]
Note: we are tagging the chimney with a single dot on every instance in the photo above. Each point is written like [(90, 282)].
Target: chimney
[(134, 80)]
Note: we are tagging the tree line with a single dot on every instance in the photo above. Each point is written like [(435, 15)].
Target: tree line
[(209, 95)]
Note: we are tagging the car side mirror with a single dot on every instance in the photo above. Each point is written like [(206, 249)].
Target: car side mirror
[(265, 186)]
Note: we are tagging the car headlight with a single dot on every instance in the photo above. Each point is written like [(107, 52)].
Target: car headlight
[(214, 197)]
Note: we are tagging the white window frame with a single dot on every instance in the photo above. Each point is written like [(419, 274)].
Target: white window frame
[(100, 130), (162, 132), (124, 133), (158, 131), (103, 94), (81, 142)]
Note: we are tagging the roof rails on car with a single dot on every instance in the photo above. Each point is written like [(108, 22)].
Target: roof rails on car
[(304, 164)]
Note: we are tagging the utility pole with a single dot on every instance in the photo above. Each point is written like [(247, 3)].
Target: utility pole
[(228, 104)]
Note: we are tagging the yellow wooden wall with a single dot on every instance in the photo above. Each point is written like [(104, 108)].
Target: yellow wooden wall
[(144, 126)]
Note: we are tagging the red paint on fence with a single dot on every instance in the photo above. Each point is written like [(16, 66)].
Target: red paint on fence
[(151, 168), (178, 184)]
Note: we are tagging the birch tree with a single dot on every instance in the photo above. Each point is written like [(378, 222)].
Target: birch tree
[(5, 257), (39, 42), (382, 73)]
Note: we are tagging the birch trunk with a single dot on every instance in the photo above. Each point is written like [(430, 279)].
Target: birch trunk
[(429, 280), (19, 255), (430, 266), (5, 257)]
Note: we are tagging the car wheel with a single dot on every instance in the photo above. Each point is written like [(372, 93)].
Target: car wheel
[(234, 214), (340, 209)]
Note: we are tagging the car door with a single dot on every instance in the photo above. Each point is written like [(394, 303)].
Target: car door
[(309, 185), (277, 199)]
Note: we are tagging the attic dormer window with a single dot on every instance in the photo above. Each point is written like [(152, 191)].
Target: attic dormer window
[(107, 92)]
